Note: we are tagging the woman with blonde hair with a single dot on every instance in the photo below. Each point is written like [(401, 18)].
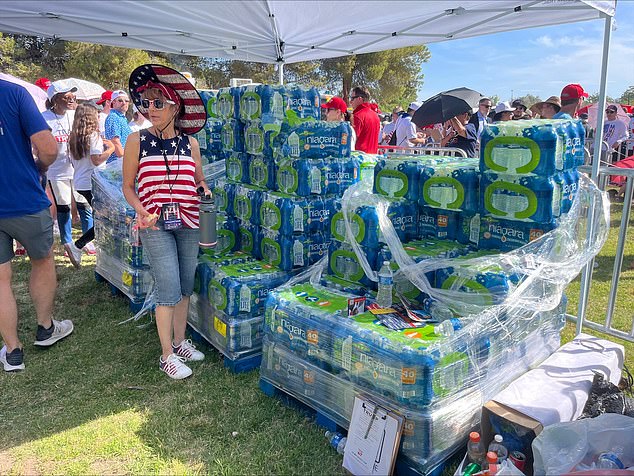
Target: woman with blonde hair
[(87, 153)]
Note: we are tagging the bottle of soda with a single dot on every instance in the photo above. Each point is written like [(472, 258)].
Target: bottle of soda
[(490, 466), (386, 283), (498, 448), (337, 441), (475, 448)]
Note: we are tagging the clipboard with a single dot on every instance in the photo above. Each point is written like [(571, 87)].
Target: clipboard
[(373, 440)]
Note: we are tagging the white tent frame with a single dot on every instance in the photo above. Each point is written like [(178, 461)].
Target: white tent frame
[(274, 40)]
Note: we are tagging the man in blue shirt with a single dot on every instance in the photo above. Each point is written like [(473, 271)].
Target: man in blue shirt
[(25, 217), (117, 127)]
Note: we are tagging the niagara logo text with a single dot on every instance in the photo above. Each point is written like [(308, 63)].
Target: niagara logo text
[(506, 231), (569, 188), (403, 220), (318, 248), (321, 140), (299, 102), (338, 176), (379, 366), (317, 213), (293, 329)]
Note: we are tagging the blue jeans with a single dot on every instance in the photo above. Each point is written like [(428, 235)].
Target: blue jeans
[(173, 257)]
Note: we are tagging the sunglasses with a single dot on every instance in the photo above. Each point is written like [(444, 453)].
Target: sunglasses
[(69, 98), (354, 97), (157, 103), (611, 111), (488, 106)]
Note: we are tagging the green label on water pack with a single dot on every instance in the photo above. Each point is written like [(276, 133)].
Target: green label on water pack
[(443, 192), (217, 295), (345, 264), (391, 183), (287, 179), (226, 241), (258, 172), (270, 215), (511, 154), (338, 227), (271, 251), (520, 203)]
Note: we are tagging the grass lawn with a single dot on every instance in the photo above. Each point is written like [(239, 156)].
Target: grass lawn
[(96, 403)]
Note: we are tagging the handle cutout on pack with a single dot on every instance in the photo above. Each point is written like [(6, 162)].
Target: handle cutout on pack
[(519, 155)]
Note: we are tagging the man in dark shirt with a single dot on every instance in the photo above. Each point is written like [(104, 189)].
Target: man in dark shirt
[(366, 121), (463, 134)]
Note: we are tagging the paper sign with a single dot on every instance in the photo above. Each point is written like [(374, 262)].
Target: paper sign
[(373, 439)]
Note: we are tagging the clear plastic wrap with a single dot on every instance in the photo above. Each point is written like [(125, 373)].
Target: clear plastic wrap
[(542, 269), (431, 433), (235, 338)]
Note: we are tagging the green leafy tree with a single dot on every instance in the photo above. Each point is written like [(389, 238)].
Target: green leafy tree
[(393, 76), (529, 99), (594, 98), (628, 96), (106, 65)]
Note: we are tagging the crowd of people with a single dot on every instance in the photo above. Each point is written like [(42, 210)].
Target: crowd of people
[(54, 154), (464, 130)]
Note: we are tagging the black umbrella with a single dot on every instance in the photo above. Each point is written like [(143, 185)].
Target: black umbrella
[(443, 106)]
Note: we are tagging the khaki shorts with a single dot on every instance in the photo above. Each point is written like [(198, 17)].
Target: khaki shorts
[(34, 232)]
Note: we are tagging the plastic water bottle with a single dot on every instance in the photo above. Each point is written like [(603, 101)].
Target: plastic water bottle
[(386, 283), (497, 447), (475, 448), (611, 459), (337, 441)]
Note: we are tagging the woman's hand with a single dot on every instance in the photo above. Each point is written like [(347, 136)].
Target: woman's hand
[(145, 219)]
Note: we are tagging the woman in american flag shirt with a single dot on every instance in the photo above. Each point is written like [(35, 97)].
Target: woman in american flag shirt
[(161, 175)]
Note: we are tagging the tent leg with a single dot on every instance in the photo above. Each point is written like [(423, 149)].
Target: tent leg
[(586, 275), (280, 72)]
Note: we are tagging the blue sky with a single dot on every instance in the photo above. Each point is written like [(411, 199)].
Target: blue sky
[(538, 61)]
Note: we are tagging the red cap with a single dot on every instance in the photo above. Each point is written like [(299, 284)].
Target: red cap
[(492, 457), (43, 83), (474, 436), (105, 96), (336, 103), (573, 91)]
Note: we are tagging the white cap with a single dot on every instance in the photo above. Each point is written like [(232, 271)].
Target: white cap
[(117, 93), (413, 106), (503, 106), (60, 87)]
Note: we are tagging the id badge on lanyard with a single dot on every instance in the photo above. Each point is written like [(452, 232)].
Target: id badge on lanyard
[(171, 216)]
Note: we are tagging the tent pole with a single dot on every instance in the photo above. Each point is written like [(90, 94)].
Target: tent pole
[(586, 275), (280, 73)]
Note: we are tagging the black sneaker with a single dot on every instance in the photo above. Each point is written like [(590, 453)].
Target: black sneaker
[(59, 330), (13, 360)]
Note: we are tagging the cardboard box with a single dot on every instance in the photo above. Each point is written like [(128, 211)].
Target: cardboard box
[(517, 429)]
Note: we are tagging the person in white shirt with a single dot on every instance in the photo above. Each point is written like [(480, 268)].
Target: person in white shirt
[(138, 122), (59, 116), (406, 134), (87, 153), (388, 130), (614, 131), (104, 102)]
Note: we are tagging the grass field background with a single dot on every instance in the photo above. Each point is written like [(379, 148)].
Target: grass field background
[(96, 403)]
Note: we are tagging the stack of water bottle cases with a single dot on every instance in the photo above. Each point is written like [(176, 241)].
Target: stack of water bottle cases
[(285, 174), (437, 376), (120, 259)]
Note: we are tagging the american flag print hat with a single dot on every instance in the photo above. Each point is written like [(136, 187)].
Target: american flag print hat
[(193, 115)]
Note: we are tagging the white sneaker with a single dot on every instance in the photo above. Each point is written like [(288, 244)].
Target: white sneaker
[(12, 361), (61, 329), (188, 351), (174, 366), (89, 249), (74, 254)]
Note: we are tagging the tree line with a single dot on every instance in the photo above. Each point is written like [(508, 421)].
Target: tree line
[(393, 77)]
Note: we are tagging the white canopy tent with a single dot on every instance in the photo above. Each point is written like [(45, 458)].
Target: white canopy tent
[(285, 31)]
